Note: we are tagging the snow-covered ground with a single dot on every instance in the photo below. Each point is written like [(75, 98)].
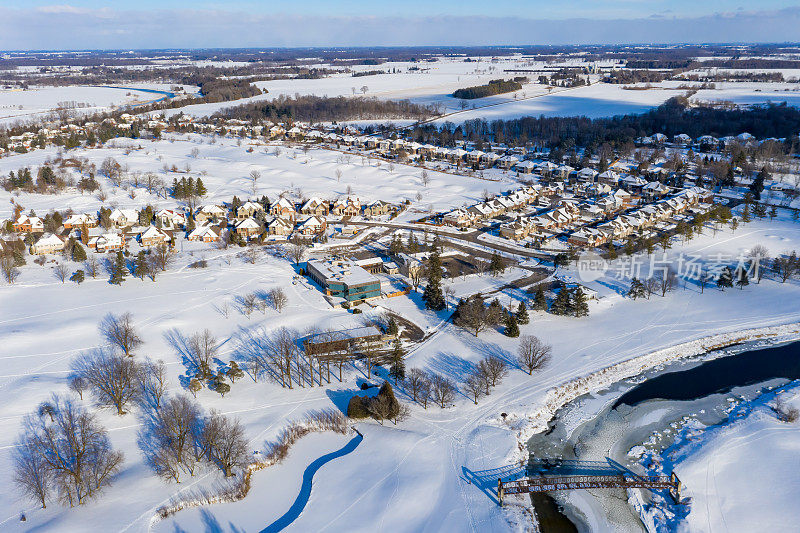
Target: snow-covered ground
[(225, 167), (36, 103), (744, 476), (406, 477)]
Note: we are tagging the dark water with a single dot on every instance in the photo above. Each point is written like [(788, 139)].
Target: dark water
[(719, 376), (551, 519)]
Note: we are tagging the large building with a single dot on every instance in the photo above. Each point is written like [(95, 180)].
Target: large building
[(344, 279)]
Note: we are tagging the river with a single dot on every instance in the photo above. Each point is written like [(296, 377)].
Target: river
[(644, 414)]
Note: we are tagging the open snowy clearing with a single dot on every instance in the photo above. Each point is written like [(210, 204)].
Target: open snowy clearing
[(743, 477), (34, 104)]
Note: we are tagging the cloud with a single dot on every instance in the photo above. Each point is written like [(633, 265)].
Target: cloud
[(69, 27)]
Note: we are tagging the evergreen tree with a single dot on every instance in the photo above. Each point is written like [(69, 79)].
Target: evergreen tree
[(496, 264), (511, 327), (199, 188), (118, 271), (561, 303), (433, 296), (78, 253), (398, 366), (522, 314), (391, 328), (579, 305), (637, 289), (746, 214), (539, 300), (77, 277), (725, 278), (140, 265), (773, 212)]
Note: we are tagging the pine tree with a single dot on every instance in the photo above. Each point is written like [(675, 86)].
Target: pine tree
[(522, 314), (78, 253), (725, 278), (746, 214), (433, 296), (199, 188), (118, 271), (637, 289), (496, 264), (140, 265), (561, 304), (512, 329), (391, 328), (398, 366), (579, 305), (539, 300), (77, 276)]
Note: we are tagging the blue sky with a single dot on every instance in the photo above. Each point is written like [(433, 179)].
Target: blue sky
[(92, 24), (534, 9)]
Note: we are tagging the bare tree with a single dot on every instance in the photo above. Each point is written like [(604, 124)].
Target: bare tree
[(284, 350), (114, 380), (78, 385), (297, 249), (162, 256), (172, 429), (533, 354), (10, 272), (443, 390), (338, 175), (92, 266), (202, 348), (31, 473), (474, 385), (666, 281), (495, 369), (426, 179), (120, 332), (255, 175), (225, 442), (416, 381), (278, 298), (61, 272), (153, 383), (70, 452), (380, 407)]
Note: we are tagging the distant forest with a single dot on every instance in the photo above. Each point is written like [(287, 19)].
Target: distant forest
[(671, 118), (322, 109), (490, 89)]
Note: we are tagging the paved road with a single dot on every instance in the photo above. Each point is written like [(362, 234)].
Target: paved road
[(471, 237)]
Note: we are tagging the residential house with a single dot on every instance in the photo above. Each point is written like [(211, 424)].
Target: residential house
[(123, 218), (248, 228), (279, 226), (315, 206), (377, 208), (204, 234), (48, 244), (153, 236), (249, 209), (311, 226), (80, 220), (107, 242), (209, 213), (283, 208), (28, 224)]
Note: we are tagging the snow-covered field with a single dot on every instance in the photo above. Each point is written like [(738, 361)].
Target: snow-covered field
[(407, 477), (36, 103), (225, 167), (744, 476)]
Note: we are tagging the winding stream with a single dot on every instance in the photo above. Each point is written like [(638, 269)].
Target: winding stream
[(646, 413), (305, 490)]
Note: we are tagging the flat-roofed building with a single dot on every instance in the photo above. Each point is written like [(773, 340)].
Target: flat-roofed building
[(344, 279)]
